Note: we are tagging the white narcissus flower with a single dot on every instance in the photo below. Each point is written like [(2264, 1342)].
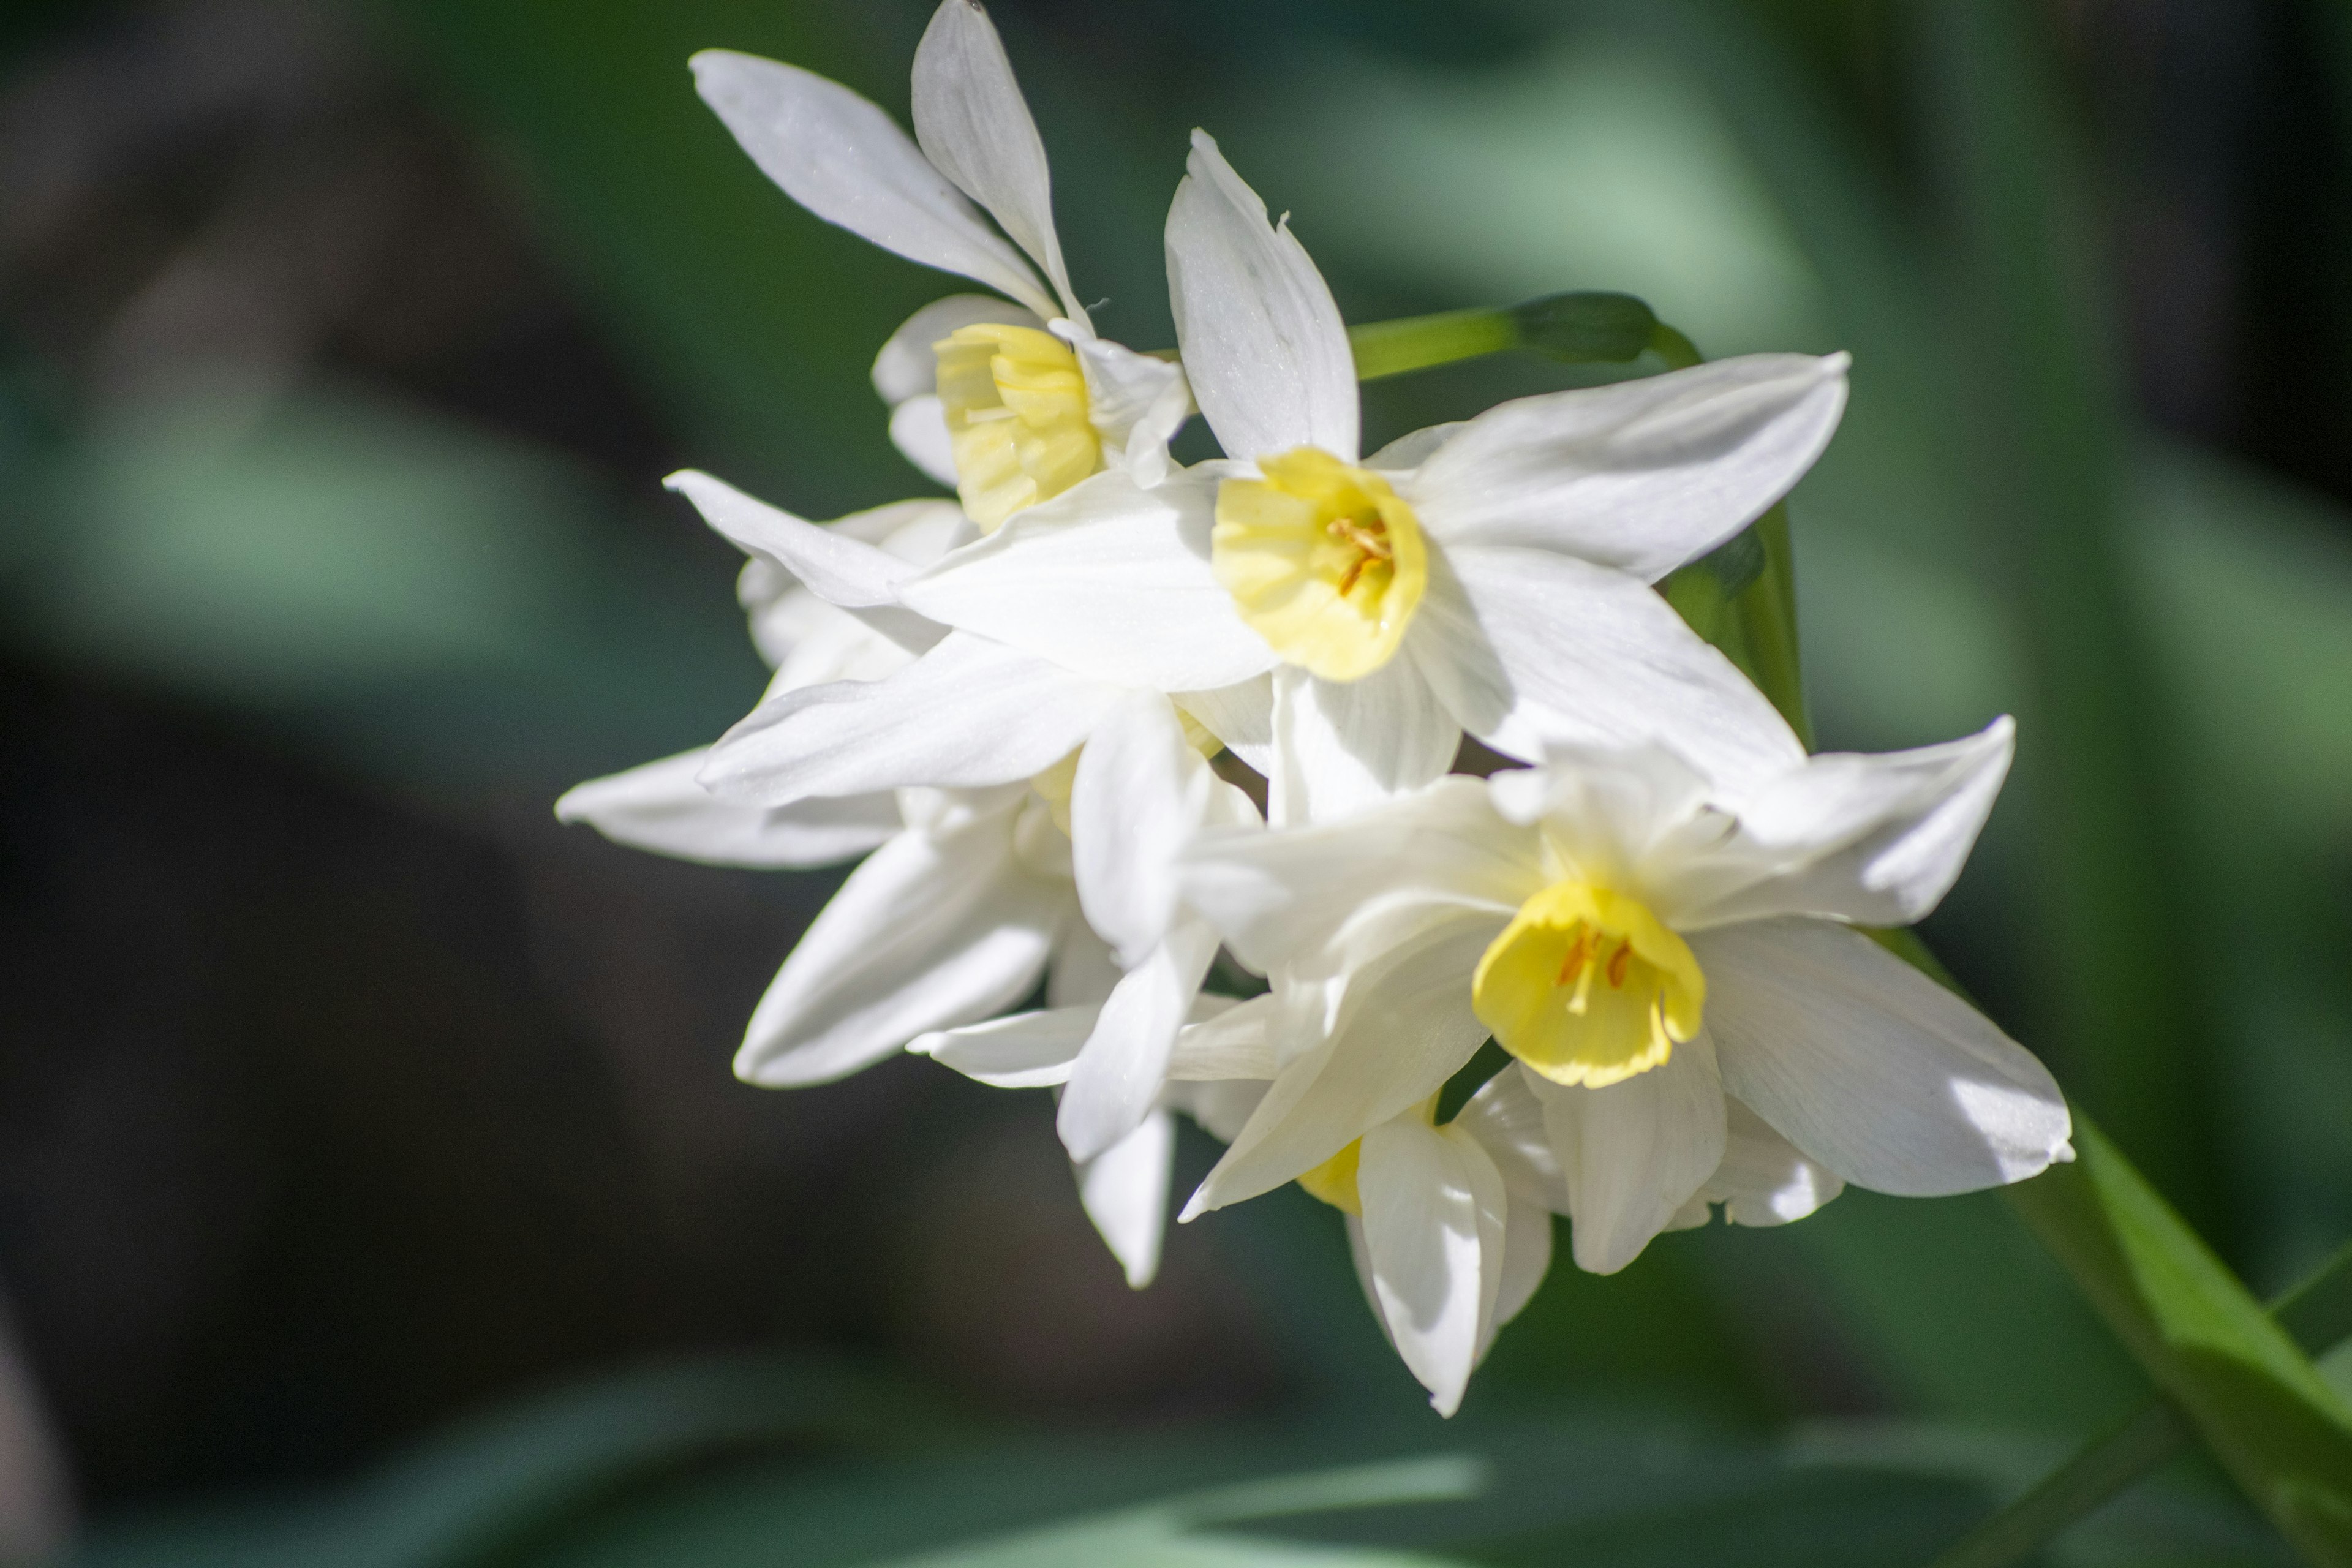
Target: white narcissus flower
[(1043, 808), (1216, 1073), (1492, 576), (1646, 941), (1010, 402)]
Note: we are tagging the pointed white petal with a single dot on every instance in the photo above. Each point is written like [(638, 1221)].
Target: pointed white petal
[(1876, 839), (1222, 1108), (1231, 1041), (1138, 797), (1241, 715), (849, 164), (1024, 1050), (1262, 339), (1084, 970), (661, 806), (1641, 476), (1508, 1120), (968, 714), (935, 930), (1340, 748), (1434, 1216), (1135, 402), (1404, 1026), (1634, 1152), (1763, 1179), (908, 364), (1107, 579), (1871, 1068), (1125, 1190), (1276, 896), (974, 126), (918, 428), (1528, 648), (1120, 1070), (838, 568)]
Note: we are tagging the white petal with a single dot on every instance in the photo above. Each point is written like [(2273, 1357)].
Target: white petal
[(1024, 1050), (1871, 1068), (1763, 1179), (969, 713), (1125, 1190), (908, 364), (1876, 839), (918, 428), (1120, 1070), (1084, 971), (1642, 475), (934, 931), (1435, 1215), (1276, 896), (661, 806), (1262, 339), (1138, 797), (838, 568), (1404, 1028), (1107, 579), (1412, 450), (1135, 402), (1339, 747), (1526, 1258), (1634, 1152), (1222, 1108), (849, 164), (1508, 1120), (1231, 1041), (1529, 649), (1241, 715), (974, 126)]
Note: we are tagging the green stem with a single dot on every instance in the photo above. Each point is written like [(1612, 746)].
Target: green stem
[(1392, 347), (1585, 327)]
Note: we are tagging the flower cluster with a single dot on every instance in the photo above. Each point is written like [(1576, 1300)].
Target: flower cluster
[(1035, 710)]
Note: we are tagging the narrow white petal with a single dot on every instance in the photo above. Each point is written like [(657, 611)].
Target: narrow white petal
[(1222, 1107), (1642, 475), (933, 931), (1876, 839), (1138, 797), (1635, 1152), (1107, 579), (1872, 1069), (1341, 747), (1764, 1179), (1529, 649), (838, 567), (849, 163), (1024, 1050), (974, 126), (1508, 1120), (969, 713), (661, 806), (1404, 1026), (1262, 337), (1124, 1063), (918, 428), (1136, 402), (1084, 971), (1276, 896), (1241, 715), (1125, 1190), (1435, 1216), (908, 364), (1231, 1041)]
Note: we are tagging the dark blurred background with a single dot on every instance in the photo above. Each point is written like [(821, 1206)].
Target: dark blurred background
[(343, 347)]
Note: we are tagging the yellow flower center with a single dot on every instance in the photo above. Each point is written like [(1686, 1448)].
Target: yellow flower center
[(1587, 987), (1334, 1181), (1017, 410), (1325, 562)]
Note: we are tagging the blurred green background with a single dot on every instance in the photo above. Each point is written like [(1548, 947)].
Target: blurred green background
[(371, 1185)]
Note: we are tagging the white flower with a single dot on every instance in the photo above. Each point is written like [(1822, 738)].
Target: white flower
[(1040, 809), (1492, 575), (1646, 939), (1011, 402), (1216, 1073)]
